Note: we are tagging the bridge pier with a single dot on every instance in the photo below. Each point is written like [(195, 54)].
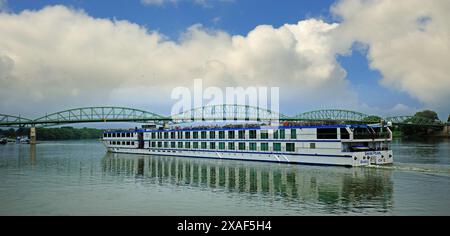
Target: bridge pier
[(446, 131), (33, 135)]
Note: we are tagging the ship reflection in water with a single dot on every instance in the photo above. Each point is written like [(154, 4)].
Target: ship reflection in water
[(333, 189)]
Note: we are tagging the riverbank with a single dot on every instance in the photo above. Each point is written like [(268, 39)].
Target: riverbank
[(53, 134)]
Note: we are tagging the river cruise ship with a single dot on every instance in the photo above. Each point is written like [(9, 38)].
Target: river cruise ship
[(343, 145)]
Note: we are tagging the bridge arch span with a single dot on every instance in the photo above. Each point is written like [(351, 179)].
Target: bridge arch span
[(11, 120), (98, 114), (224, 112), (332, 114)]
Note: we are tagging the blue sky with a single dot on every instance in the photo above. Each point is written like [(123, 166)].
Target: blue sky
[(238, 17)]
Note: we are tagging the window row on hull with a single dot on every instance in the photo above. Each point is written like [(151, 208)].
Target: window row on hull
[(232, 146), (330, 133)]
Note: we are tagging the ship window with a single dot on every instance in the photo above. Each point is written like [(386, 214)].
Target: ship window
[(241, 146), (241, 134), (113, 143), (195, 135), (128, 135), (187, 145), (166, 135), (187, 135), (195, 145), (132, 143), (277, 147), (275, 134), (105, 135), (203, 134), (293, 134), (326, 133), (166, 144), (230, 134), (172, 135), (264, 147), (290, 147), (114, 135), (124, 143), (344, 134), (180, 135), (159, 135), (264, 134), (172, 145), (203, 145), (180, 144), (153, 144), (212, 145), (222, 145), (159, 144), (282, 134), (253, 146), (252, 134), (153, 135), (312, 145), (221, 134), (231, 146), (128, 143), (212, 134)]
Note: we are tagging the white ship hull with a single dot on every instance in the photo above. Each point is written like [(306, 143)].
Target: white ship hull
[(354, 159), (339, 145)]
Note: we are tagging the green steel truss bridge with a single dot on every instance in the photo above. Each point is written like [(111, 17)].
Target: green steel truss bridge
[(206, 113)]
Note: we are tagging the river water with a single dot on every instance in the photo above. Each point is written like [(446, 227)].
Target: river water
[(80, 178)]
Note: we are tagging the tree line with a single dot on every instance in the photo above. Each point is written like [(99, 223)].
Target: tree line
[(412, 130), (63, 133)]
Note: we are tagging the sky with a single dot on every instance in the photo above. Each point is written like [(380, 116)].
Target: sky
[(379, 57)]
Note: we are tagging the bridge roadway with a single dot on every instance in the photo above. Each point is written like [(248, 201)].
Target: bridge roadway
[(207, 113)]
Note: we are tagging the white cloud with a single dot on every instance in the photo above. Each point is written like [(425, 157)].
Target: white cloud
[(204, 3), (59, 57), (157, 2), (408, 42)]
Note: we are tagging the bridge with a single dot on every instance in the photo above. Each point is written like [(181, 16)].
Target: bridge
[(223, 112)]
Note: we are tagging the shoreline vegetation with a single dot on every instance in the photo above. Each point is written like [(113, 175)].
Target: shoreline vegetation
[(53, 134)]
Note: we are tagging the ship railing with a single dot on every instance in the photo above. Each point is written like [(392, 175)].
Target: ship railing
[(385, 135)]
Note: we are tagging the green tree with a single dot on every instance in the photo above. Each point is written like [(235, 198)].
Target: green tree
[(67, 133), (372, 119), (428, 114)]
